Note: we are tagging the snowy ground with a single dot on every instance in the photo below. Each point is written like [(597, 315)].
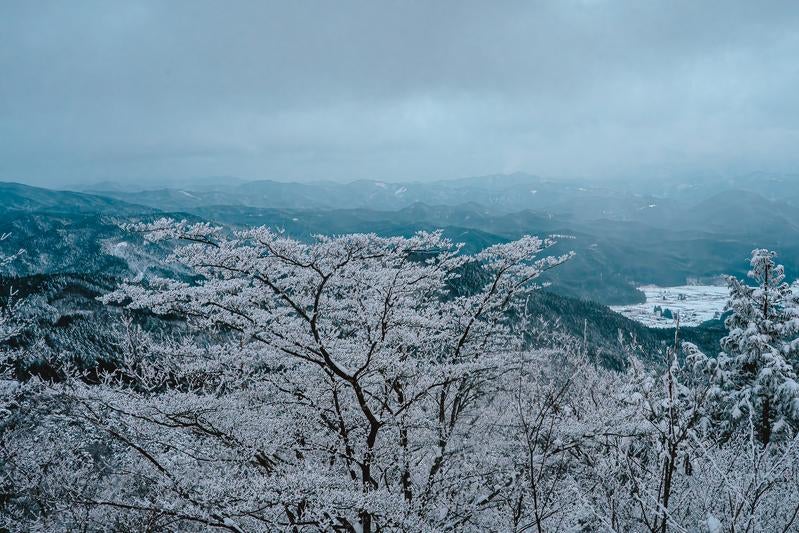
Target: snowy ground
[(695, 304)]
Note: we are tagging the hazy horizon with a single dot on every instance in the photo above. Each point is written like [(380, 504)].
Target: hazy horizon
[(645, 183), (145, 91)]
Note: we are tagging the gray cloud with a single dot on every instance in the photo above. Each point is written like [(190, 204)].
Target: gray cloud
[(395, 90)]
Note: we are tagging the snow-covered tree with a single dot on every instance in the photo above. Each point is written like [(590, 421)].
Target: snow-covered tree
[(760, 349), (347, 386), (365, 383), (9, 301)]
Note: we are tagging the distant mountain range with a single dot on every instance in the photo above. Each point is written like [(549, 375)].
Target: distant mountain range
[(624, 236), (19, 197), (642, 200)]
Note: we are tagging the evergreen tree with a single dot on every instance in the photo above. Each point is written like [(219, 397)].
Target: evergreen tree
[(759, 352)]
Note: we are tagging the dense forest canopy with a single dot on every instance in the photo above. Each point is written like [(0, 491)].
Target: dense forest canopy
[(367, 383)]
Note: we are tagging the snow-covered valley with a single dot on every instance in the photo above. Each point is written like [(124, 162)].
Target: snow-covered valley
[(694, 304)]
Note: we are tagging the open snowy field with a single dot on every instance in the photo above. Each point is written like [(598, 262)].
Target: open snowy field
[(694, 303)]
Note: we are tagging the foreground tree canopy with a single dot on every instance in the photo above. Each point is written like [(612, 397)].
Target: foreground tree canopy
[(365, 383)]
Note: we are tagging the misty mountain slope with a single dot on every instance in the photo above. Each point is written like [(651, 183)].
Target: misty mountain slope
[(60, 243), (745, 213), (500, 193), (304, 223), (780, 187), (698, 241), (195, 183), (66, 232), (18, 197), (612, 255), (588, 275), (645, 200), (174, 199), (728, 212), (472, 216)]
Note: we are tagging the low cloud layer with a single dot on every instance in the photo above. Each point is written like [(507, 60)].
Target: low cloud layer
[(395, 90)]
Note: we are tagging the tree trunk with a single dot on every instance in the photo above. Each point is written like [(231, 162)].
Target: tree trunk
[(764, 429)]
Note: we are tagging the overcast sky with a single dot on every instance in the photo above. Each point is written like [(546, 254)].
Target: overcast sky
[(395, 90)]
